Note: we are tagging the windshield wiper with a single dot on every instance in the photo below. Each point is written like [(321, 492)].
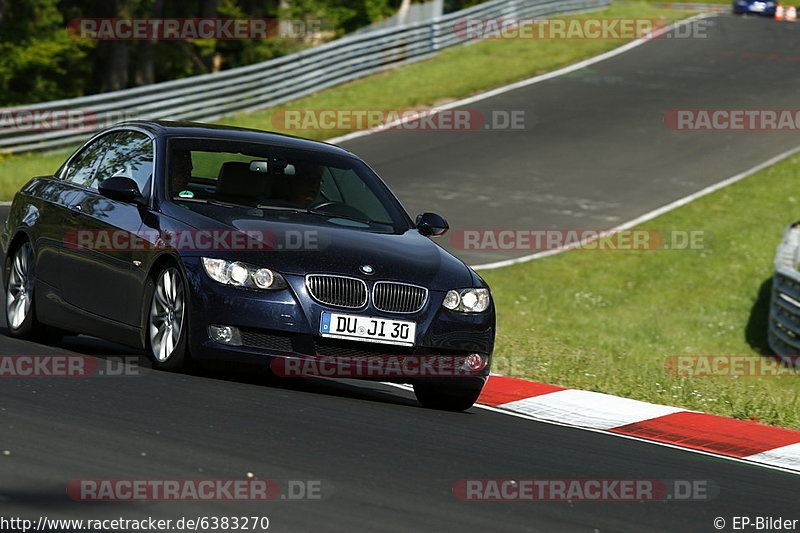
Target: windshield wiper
[(281, 208), (326, 214), (209, 201), (335, 215)]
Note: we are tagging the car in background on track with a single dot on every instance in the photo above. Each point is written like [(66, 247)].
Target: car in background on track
[(197, 243), (783, 332), (759, 7)]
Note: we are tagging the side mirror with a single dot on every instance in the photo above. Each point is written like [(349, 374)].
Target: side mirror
[(120, 188), (431, 224)]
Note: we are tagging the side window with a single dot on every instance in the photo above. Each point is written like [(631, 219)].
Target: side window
[(82, 167), (129, 154)]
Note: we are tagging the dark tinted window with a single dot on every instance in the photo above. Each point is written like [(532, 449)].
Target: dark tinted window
[(82, 168), (129, 154), (268, 177)]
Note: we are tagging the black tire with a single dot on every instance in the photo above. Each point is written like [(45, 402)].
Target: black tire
[(20, 302), (166, 350), (448, 396)]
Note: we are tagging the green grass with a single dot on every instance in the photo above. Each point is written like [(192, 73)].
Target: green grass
[(721, 2), (16, 170), (607, 320)]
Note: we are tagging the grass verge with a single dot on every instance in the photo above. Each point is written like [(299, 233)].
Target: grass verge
[(608, 320), (428, 83)]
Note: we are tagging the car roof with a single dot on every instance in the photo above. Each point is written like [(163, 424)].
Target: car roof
[(165, 128)]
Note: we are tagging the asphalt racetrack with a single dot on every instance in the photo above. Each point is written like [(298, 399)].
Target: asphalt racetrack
[(595, 153)]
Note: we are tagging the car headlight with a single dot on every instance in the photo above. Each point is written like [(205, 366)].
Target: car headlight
[(786, 256), (242, 275), (467, 300)]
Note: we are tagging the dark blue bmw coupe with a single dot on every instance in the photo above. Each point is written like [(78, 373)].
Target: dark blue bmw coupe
[(197, 242)]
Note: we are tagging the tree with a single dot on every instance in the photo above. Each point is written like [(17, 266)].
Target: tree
[(41, 60), (38, 58)]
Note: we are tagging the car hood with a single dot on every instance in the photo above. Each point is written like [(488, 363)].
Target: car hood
[(303, 247)]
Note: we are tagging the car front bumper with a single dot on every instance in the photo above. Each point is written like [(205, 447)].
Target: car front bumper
[(284, 324)]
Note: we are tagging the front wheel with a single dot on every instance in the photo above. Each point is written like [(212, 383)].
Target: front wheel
[(167, 322), (449, 396), (20, 311)]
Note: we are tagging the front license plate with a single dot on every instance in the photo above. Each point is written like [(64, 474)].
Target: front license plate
[(367, 328)]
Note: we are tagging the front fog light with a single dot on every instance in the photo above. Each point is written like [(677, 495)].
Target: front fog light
[(474, 362), (225, 335)]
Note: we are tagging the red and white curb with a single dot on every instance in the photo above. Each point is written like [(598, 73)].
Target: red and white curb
[(742, 440)]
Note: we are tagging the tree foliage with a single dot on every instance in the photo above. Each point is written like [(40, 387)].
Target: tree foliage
[(41, 60)]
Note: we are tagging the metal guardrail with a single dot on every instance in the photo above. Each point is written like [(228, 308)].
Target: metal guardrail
[(688, 6), (211, 96)]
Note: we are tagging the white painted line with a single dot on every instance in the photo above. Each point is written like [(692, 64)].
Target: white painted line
[(589, 409), (745, 461), (524, 83), (787, 456), (655, 212)]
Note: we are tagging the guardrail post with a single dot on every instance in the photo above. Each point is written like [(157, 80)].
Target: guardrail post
[(435, 26)]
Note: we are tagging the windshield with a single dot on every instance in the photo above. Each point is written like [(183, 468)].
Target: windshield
[(266, 177)]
